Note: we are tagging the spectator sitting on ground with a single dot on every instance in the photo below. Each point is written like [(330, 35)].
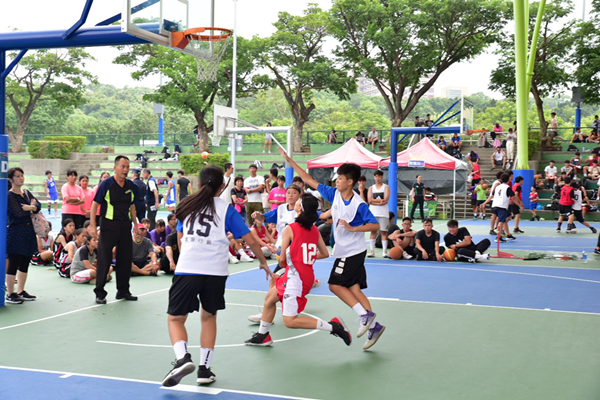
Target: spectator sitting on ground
[(171, 224), (169, 261), (360, 137), (498, 159), (372, 139), (404, 239), (579, 137), (86, 226), (64, 236), (391, 229), (236, 249), (262, 236), (143, 255), (45, 255), (332, 137), (429, 195), (83, 267), (158, 237), (427, 247), (146, 223), (568, 169), (441, 143), (594, 138), (68, 253), (456, 143)]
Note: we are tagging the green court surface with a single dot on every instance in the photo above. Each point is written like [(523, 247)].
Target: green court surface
[(437, 349)]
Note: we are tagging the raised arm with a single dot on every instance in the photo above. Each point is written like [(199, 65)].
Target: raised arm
[(302, 173)]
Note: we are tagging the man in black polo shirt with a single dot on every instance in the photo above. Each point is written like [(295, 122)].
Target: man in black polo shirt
[(459, 240), (140, 192), (116, 196)]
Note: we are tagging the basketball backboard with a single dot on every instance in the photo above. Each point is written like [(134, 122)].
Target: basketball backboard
[(224, 117), (155, 20)]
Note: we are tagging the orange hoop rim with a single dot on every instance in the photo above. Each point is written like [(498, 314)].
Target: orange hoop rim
[(193, 34)]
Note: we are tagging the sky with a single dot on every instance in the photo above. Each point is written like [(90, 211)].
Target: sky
[(254, 17)]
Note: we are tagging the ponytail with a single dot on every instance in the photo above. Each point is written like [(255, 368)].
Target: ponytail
[(202, 202), (309, 215)]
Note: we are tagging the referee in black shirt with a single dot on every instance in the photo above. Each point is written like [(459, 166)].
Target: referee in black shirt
[(116, 195), (418, 198)]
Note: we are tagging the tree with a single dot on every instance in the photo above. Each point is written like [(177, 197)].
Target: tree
[(56, 76), (405, 45), (550, 74), (294, 55), (182, 89), (587, 56)]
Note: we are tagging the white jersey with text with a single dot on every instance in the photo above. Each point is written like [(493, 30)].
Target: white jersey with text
[(285, 217), (379, 194), (347, 243), (578, 200), (204, 245), (501, 199)]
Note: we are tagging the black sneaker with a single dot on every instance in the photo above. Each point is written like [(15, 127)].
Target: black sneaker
[(26, 296), (126, 296), (181, 368), (493, 232), (14, 298), (510, 237), (532, 219), (502, 240), (340, 330), (596, 251), (517, 230), (593, 230), (100, 300), (205, 375), (260, 339)]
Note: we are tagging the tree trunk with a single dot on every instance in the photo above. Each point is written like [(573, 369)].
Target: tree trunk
[(298, 127), (539, 103), (15, 140), (203, 131)]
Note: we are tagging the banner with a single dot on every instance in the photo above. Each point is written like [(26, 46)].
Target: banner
[(429, 208)]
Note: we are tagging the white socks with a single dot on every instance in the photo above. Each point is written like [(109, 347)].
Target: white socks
[(241, 252), (324, 326), (372, 241), (359, 310), (206, 356), (384, 245), (180, 349), (264, 327)]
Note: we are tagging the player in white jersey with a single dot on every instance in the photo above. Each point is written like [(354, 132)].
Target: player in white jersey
[(378, 196), (204, 220), (578, 202), (351, 219)]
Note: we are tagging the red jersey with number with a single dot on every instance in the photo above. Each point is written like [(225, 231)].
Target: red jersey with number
[(566, 197), (301, 256), (262, 233)]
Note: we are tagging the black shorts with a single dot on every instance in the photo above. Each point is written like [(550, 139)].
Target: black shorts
[(578, 216), (349, 271), (565, 211), (480, 202), (186, 289), (473, 202), (514, 209), (476, 181)]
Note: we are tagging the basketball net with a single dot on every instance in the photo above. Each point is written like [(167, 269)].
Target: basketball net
[(209, 50)]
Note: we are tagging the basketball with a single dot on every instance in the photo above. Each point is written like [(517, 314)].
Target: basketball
[(449, 254), (395, 253), (484, 186), (204, 154)]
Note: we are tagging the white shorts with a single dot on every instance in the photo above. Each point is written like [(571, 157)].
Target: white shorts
[(52, 201), (384, 223), (293, 290), (268, 136), (82, 276)]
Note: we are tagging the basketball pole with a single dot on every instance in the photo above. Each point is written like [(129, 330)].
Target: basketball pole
[(3, 172)]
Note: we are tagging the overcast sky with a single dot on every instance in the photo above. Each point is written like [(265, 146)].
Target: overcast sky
[(255, 17)]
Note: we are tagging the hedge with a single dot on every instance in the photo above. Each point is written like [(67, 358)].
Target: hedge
[(77, 142), (46, 149), (193, 163), (532, 146)]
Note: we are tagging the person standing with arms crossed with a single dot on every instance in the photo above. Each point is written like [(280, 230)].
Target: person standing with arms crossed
[(116, 195), (379, 195), (417, 197), (351, 219), (152, 202), (254, 186)]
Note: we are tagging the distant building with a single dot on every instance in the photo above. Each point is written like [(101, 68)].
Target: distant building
[(453, 92), (367, 86)]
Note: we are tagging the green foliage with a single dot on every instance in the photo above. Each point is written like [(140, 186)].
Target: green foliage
[(532, 146), (193, 163), (77, 142), (399, 43), (47, 149), (586, 56)]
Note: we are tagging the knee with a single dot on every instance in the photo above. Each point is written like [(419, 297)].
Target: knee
[(289, 322)]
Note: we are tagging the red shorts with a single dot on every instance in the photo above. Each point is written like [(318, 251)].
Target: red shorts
[(292, 290)]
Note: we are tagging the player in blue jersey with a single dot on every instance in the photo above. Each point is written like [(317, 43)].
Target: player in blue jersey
[(51, 193)]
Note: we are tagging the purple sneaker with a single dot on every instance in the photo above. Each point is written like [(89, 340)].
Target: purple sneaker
[(374, 335), (365, 322)]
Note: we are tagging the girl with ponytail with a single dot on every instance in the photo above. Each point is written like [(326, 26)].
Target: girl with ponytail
[(202, 269), (301, 246)]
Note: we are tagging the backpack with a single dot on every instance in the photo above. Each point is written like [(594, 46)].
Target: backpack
[(572, 147), (594, 195)]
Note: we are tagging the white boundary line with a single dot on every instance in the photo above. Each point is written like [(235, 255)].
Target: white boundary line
[(180, 388), (220, 345), (97, 305), (370, 262)]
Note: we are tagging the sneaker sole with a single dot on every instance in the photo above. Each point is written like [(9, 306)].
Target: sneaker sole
[(264, 344), (13, 302), (359, 334), (343, 324), (174, 377), (369, 345), (254, 321), (205, 381)]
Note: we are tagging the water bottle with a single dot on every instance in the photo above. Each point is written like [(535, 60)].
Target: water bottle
[(584, 257)]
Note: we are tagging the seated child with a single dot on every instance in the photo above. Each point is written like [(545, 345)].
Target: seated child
[(83, 267)]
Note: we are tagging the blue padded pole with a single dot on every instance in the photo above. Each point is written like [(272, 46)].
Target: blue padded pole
[(3, 172)]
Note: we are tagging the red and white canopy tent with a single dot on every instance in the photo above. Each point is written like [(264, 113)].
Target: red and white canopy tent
[(426, 157), (323, 168)]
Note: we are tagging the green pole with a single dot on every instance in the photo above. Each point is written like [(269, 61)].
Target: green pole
[(534, 40), (521, 83)]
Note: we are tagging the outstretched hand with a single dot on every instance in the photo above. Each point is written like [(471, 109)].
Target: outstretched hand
[(284, 154), (265, 267)]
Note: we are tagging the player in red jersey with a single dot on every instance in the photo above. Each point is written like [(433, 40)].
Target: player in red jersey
[(301, 246), (565, 205)]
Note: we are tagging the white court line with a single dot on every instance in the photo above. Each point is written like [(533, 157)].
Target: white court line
[(219, 345), (97, 305), (183, 388), (369, 262)]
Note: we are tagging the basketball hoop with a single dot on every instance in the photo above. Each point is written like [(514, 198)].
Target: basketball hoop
[(208, 49)]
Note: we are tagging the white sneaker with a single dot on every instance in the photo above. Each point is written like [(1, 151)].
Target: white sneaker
[(371, 253), (263, 152), (255, 319), (233, 259), (406, 256), (479, 256), (246, 258), (316, 284)]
